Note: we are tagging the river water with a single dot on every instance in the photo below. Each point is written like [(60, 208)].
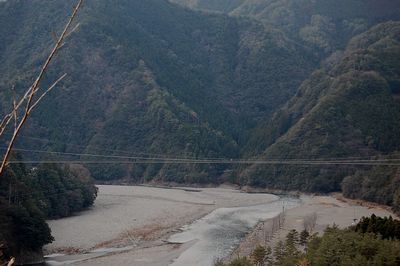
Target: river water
[(209, 238), (217, 234)]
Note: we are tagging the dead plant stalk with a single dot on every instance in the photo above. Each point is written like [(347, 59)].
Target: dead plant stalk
[(33, 89)]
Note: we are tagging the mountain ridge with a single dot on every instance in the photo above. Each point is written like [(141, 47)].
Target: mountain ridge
[(213, 64), (153, 77), (345, 110)]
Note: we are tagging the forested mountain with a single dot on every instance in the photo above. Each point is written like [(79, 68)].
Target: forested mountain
[(348, 108), (259, 79), (321, 26), (148, 77), (262, 79)]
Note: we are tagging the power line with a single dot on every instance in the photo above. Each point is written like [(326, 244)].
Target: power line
[(104, 150), (137, 154), (90, 154), (165, 157), (247, 162), (119, 159)]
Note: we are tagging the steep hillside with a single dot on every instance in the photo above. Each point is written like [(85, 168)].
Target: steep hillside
[(323, 25), (348, 108), (147, 77), (151, 78), (158, 124)]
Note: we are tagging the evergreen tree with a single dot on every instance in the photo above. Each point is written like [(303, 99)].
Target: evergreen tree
[(259, 255), (304, 235), (269, 260)]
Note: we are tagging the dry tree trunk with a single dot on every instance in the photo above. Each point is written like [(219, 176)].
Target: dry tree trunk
[(28, 99), (11, 262)]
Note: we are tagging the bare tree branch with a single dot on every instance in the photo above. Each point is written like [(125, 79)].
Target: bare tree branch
[(33, 89), (47, 91), (310, 221), (73, 30), (11, 262), (15, 110), (7, 118), (4, 123)]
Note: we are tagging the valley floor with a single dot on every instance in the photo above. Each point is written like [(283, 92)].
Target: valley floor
[(139, 219), (131, 225)]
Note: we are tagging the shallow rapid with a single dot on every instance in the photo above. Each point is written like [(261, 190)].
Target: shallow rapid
[(217, 234)]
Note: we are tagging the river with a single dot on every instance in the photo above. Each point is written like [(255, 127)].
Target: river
[(210, 222), (217, 234)]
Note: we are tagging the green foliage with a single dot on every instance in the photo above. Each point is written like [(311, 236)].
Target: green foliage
[(148, 77), (23, 225), (344, 247), (259, 255), (323, 26), (319, 33), (386, 227), (378, 184), (287, 253), (373, 241), (164, 126), (62, 191), (242, 261), (292, 240), (28, 230), (346, 109), (28, 197), (304, 236), (279, 251)]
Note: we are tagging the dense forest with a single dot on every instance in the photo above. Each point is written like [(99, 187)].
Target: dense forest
[(348, 108), (373, 241), (232, 79), (149, 77), (29, 196), (323, 27), (213, 79)]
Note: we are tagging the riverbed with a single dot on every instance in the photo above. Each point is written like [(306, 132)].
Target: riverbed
[(126, 219), (143, 226)]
